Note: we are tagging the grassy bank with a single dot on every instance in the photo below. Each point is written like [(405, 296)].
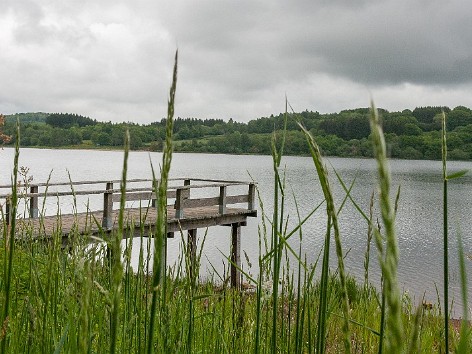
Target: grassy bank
[(63, 302)]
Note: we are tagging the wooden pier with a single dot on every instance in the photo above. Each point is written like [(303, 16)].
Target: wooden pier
[(227, 203)]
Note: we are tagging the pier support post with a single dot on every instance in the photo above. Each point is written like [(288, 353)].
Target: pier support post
[(236, 255), (33, 203), (192, 252)]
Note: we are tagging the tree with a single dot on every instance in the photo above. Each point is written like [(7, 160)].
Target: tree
[(5, 139), (459, 116), (426, 114), (400, 124), (67, 120)]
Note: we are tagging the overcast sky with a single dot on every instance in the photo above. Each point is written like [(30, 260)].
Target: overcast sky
[(112, 59)]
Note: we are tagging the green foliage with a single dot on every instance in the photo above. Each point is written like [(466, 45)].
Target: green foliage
[(67, 120), (459, 116), (409, 134), (426, 114), (36, 117)]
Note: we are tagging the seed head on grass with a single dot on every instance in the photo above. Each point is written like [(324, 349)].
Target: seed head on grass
[(117, 267), (332, 222), (389, 260), (160, 245)]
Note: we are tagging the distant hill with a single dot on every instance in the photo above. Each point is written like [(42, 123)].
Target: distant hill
[(38, 117), (409, 134)]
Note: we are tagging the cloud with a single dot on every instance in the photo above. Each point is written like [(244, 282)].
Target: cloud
[(112, 60)]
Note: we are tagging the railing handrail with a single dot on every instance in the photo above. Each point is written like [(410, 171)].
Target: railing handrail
[(136, 180), (117, 190), (76, 183)]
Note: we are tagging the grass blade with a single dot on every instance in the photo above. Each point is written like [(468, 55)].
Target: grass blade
[(159, 265), (389, 263)]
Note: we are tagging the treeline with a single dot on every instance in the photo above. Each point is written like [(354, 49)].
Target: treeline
[(409, 134)]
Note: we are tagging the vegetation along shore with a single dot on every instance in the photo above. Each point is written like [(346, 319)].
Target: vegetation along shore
[(408, 134)]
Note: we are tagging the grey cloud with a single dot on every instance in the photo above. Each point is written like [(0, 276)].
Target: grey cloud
[(376, 43), (236, 58)]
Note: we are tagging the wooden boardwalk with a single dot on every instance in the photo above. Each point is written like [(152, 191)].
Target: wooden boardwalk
[(137, 222), (218, 204)]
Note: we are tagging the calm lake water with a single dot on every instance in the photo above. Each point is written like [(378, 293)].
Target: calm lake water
[(419, 218)]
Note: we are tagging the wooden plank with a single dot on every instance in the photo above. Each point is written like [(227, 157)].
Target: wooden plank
[(251, 196), (204, 222), (179, 208), (203, 202), (222, 200), (77, 183), (235, 255), (85, 223), (134, 196), (33, 203), (191, 213), (235, 199), (170, 193), (221, 181)]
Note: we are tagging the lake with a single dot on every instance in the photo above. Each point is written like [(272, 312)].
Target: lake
[(418, 222)]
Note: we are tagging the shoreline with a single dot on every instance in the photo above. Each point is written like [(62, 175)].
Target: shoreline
[(112, 148)]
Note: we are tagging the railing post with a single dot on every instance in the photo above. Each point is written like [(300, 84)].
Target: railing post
[(107, 221), (179, 208), (251, 196), (33, 202), (187, 191), (222, 200), (235, 255)]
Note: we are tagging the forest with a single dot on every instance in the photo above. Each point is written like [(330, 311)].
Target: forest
[(410, 134)]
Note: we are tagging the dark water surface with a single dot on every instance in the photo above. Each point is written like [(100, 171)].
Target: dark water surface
[(419, 218)]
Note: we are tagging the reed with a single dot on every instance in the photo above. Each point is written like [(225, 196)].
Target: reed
[(388, 258), (277, 153), (116, 265), (446, 177), (10, 244), (160, 249), (445, 235), (464, 342), (332, 223)]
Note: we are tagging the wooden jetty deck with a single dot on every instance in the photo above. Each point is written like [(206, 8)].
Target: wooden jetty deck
[(227, 203)]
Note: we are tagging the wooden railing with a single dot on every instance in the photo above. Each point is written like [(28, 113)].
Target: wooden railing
[(179, 190)]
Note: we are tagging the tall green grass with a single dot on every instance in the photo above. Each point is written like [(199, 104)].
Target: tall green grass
[(388, 257), (9, 245), (332, 223), (160, 249), (465, 331), (75, 300)]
